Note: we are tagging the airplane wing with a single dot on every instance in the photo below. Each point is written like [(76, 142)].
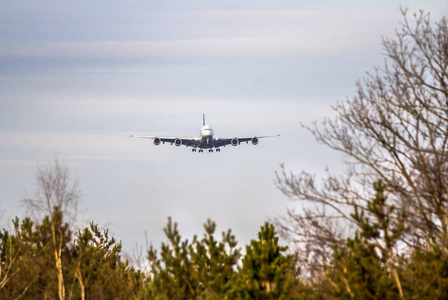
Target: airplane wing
[(235, 141), (192, 142)]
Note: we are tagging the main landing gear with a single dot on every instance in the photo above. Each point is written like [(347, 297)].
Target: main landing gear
[(201, 150)]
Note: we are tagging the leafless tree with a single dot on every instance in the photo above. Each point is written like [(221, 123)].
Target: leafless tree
[(55, 188), (56, 193), (394, 129)]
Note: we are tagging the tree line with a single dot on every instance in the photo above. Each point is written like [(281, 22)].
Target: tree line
[(46, 260), (377, 231)]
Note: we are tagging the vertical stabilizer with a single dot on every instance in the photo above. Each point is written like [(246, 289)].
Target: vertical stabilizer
[(203, 119)]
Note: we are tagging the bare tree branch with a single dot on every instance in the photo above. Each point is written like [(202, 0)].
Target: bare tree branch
[(394, 129), (55, 188)]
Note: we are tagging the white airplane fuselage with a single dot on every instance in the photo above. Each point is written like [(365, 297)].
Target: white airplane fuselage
[(206, 139)]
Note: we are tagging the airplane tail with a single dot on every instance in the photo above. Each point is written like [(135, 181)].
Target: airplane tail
[(203, 119)]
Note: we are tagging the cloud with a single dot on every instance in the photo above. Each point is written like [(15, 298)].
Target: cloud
[(196, 49), (155, 115), (76, 147), (219, 36)]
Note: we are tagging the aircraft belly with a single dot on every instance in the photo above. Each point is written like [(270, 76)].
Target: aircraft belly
[(206, 143)]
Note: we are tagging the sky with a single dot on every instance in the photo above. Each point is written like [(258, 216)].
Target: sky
[(78, 77)]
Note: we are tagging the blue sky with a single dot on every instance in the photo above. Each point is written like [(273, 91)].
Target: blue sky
[(77, 78)]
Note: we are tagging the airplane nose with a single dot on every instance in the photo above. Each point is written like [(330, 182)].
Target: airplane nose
[(207, 133)]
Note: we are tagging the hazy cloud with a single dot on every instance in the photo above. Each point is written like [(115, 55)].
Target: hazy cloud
[(226, 35)]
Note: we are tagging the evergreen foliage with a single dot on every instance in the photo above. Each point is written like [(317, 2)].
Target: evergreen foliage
[(362, 264), (266, 272), (98, 266), (364, 267), (208, 269), (426, 274), (92, 267), (203, 268)]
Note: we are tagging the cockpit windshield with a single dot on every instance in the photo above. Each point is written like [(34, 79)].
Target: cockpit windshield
[(207, 131)]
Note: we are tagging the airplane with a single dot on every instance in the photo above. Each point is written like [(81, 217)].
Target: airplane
[(205, 141)]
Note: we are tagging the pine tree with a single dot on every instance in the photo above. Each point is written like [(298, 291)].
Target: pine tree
[(99, 269), (215, 261), (266, 272), (426, 274), (366, 267), (39, 255), (20, 261), (92, 267), (200, 269)]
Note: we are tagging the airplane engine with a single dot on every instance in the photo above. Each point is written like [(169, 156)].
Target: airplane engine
[(234, 142), (177, 142), (156, 141), (254, 140)]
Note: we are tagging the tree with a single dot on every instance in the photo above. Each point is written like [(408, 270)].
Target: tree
[(17, 273), (426, 274), (53, 197), (92, 264), (394, 129), (267, 272), (57, 194), (98, 268), (32, 248), (52, 238), (215, 261), (364, 266), (200, 269), (55, 189)]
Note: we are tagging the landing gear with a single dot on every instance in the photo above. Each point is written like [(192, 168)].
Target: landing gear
[(202, 150)]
